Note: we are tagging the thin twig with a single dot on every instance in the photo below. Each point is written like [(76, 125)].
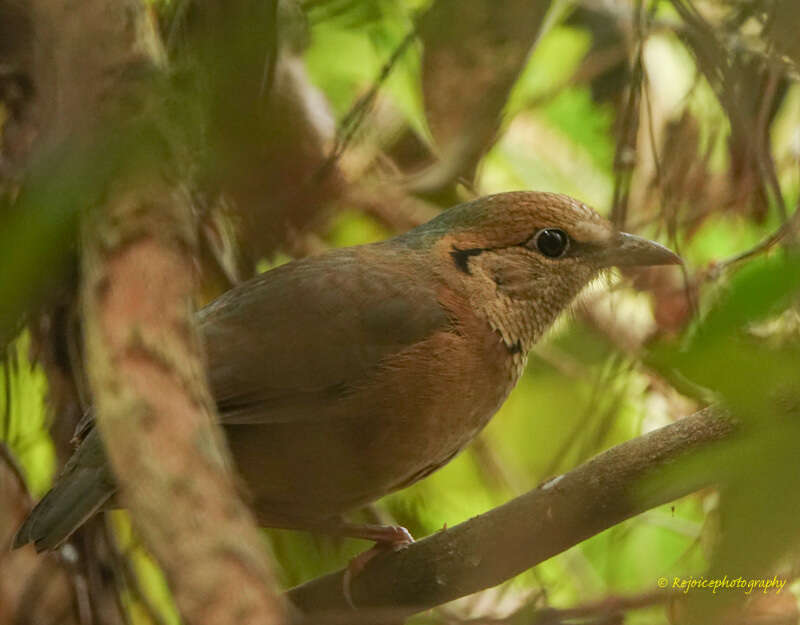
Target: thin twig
[(271, 60), (763, 155), (625, 154), (788, 227), (358, 112)]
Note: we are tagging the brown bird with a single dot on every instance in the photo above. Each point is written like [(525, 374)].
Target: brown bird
[(346, 376)]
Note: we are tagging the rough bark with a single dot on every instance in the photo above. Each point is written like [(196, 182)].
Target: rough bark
[(87, 112), (493, 547), (143, 358), (155, 412)]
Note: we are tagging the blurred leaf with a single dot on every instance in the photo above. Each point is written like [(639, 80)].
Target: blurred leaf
[(152, 582), (473, 54), (584, 122), (257, 129), (533, 154), (759, 381), (557, 55), (783, 16), (23, 415), (361, 53), (719, 355), (356, 229), (37, 234), (765, 286), (722, 234)]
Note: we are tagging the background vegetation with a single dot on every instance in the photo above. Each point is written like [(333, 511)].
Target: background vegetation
[(678, 119)]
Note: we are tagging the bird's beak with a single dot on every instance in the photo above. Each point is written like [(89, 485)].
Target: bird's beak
[(628, 250)]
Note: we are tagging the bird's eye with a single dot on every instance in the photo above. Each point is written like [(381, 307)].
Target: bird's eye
[(551, 242)]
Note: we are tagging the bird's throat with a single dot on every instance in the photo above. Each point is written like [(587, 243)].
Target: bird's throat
[(519, 324), (516, 327)]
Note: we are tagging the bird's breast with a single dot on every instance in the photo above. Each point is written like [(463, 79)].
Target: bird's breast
[(417, 410), (433, 398)]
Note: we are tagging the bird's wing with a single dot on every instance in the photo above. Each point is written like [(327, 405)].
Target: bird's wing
[(298, 337)]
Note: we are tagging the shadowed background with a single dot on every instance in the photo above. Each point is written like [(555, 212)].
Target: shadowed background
[(308, 125)]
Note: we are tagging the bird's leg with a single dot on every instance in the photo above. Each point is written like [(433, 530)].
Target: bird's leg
[(386, 537)]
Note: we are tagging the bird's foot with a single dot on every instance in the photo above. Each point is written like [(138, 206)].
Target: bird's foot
[(394, 536), (386, 537)]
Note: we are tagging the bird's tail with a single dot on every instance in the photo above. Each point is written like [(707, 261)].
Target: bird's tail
[(83, 488)]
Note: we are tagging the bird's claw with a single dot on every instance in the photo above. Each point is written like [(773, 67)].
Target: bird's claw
[(388, 538)]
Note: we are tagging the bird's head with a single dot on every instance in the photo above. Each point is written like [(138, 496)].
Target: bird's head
[(523, 256)]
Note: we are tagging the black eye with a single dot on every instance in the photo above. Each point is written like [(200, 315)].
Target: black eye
[(551, 242)]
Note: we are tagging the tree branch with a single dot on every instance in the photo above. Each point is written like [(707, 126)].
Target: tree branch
[(155, 412), (493, 547), (143, 356)]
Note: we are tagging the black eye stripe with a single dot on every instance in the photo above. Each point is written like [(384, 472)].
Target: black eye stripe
[(461, 257)]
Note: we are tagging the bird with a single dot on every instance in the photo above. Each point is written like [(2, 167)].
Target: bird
[(342, 377)]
